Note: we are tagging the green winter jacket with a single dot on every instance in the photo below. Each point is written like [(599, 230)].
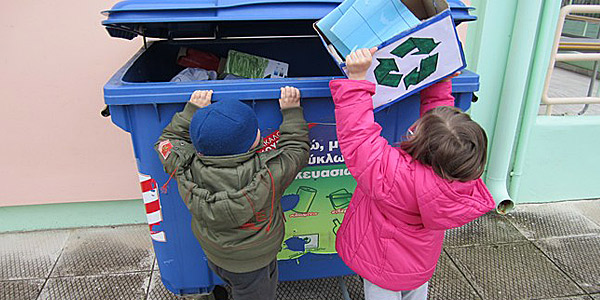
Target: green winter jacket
[(235, 200)]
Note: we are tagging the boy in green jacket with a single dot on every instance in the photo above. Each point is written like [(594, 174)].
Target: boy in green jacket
[(232, 190)]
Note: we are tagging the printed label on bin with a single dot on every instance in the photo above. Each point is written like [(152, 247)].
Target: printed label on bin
[(324, 147), (315, 203), (151, 198)]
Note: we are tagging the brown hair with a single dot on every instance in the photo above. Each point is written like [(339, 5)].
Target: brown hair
[(450, 142)]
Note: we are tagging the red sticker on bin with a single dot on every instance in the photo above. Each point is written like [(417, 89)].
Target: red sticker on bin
[(164, 148)]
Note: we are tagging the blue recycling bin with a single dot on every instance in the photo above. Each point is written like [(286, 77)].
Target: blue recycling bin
[(142, 101)]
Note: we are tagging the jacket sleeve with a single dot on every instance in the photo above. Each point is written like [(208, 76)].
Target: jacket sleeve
[(174, 145), (368, 156), (438, 94), (294, 144), (445, 208)]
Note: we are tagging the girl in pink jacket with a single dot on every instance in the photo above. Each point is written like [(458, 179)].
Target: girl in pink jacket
[(406, 197)]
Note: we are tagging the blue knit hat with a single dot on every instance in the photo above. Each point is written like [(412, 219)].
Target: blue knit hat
[(225, 127)]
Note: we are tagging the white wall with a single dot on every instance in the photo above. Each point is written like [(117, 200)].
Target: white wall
[(54, 59)]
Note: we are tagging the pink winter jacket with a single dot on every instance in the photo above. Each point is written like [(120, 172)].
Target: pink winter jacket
[(393, 230)]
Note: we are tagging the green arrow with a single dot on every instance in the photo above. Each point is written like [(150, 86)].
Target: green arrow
[(424, 45), (427, 67), (382, 72), (411, 78)]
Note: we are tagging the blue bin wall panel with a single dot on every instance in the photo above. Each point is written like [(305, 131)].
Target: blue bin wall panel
[(143, 106), (310, 266)]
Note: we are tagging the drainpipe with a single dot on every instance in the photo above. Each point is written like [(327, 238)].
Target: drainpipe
[(543, 52), (511, 97), (488, 45)]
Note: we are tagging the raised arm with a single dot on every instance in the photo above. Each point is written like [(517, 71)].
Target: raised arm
[(174, 145), (438, 94), (293, 139), (368, 156)]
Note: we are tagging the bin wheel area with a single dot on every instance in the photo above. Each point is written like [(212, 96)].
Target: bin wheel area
[(220, 293)]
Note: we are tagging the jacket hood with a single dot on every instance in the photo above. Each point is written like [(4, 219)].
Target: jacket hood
[(242, 193), (231, 209), (445, 204)]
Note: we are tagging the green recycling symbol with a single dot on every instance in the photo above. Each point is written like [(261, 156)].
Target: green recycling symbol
[(426, 67)]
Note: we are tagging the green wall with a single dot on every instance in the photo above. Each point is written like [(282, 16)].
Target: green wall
[(69, 215), (562, 161)]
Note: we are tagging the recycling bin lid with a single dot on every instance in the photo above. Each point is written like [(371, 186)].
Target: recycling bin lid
[(460, 12), (169, 19)]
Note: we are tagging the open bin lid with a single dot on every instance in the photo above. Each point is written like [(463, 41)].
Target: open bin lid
[(214, 18), (168, 19)]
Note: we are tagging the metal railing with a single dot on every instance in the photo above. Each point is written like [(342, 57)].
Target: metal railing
[(583, 2), (550, 101)]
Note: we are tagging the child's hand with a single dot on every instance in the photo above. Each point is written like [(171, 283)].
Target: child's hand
[(290, 97), (201, 98), (358, 62), (449, 78)]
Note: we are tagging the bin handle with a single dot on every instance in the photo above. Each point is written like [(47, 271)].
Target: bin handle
[(105, 112)]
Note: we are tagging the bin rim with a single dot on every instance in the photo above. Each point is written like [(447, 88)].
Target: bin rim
[(120, 92), (154, 93)]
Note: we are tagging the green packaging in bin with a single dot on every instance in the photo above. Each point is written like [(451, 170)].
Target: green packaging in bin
[(252, 66)]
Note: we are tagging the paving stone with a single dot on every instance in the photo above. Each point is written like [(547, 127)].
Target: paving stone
[(537, 221), (95, 251), (588, 208), (157, 290), (355, 287), (27, 255), (131, 286), (579, 257), (21, 289), (320, 289), (491, 228), (315, 289), (582, 297), (512, 271), (448, 283)]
